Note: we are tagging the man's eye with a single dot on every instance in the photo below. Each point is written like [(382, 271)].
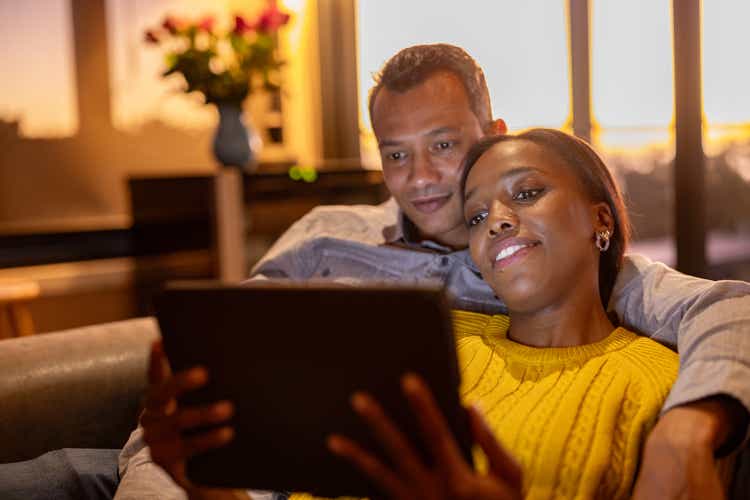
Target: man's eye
[(527, 194), (441, 146), (477, 219), (397, 156)]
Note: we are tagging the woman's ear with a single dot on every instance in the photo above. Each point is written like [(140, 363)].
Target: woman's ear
[(602, 218), (496, 127)]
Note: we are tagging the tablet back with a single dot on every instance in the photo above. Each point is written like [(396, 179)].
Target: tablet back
[(290, 357)]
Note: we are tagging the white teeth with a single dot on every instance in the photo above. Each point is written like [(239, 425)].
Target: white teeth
[(508, 251)]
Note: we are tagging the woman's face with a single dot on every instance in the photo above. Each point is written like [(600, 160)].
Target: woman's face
[(531, 226)]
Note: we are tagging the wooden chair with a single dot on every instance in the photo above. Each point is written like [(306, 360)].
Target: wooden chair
[(15, 317)]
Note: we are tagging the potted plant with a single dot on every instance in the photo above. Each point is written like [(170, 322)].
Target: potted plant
[(225, 66)]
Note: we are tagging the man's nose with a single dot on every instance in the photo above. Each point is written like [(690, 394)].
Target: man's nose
[(424, 172)]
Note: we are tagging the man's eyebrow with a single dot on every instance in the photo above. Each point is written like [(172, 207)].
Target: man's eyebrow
[(436, 131), (513, 172), (441, 130), (388, 142)]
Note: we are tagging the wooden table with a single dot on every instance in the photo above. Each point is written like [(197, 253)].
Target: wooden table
[(15, 317)]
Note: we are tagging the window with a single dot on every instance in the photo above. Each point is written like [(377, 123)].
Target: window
[(726, 74), (522, 47), (726, 101), (631, 72), (632, 100), (37, 63)]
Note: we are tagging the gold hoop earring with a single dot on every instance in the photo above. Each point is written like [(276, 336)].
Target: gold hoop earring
[(602, 240)]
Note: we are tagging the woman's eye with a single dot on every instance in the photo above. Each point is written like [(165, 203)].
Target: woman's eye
[(527, 194), (397, 156), (477, 219)]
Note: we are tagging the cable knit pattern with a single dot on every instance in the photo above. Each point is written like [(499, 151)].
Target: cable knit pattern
[(575, 418)]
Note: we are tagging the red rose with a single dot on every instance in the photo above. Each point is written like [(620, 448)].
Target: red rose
[(151, 37), (241, 26), (272, 18), (170, 24), (206, 24)]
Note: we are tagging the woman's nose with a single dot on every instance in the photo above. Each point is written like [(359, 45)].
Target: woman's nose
[(504, 222)]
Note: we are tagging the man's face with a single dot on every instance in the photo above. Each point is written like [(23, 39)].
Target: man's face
[(423, 135)]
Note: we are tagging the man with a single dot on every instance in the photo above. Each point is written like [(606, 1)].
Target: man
[(429, 105)]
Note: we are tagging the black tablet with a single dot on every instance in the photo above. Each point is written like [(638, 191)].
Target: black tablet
[(290, 357)]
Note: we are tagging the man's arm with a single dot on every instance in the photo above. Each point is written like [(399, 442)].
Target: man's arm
[(283, 260), (679, 458), (297, 253), (706, 413), (707, 321)]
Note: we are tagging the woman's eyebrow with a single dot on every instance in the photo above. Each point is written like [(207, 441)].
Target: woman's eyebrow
[(518, 171), (513, 172)]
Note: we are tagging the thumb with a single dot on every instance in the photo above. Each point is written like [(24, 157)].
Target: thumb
[(158, 366)]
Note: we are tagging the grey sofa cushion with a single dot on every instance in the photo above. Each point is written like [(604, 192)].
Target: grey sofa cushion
[(77, 388), (61, 475)]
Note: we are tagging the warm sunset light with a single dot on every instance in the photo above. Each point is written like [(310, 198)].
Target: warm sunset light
[(44, 95), (631, 50), (36, 60), (631, 61), (521, 46), (631, 72), (139, 94)]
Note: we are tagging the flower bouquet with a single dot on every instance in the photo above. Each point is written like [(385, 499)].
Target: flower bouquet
[(223, 65)]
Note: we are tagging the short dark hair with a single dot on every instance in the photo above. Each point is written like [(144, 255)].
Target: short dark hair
[(594, 176), (413, 65)]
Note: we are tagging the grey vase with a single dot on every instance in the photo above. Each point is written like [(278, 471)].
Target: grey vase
[(232, 139)]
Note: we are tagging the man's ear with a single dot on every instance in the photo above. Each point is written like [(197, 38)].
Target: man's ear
[(602, 218), (496, 127)]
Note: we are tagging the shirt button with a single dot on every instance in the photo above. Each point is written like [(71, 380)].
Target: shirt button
[(325, 272), (444, 261)]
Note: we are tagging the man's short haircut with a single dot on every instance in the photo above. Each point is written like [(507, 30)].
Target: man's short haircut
[(413, 65)]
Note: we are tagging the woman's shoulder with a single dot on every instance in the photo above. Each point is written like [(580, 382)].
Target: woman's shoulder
[(651, 365), (645, 350)]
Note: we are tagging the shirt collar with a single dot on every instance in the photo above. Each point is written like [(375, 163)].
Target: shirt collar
[(405, 233)]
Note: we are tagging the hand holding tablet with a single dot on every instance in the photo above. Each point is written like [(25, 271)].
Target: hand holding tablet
[(289, 358)]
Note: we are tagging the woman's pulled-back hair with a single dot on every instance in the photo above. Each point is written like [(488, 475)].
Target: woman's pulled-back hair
[(596, 180)]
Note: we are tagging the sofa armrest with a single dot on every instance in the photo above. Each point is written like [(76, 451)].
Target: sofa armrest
[(79, 388)]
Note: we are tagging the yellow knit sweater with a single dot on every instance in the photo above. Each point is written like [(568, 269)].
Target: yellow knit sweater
[(575, 418)]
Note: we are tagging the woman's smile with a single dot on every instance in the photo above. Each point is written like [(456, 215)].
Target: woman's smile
[(510, 251)]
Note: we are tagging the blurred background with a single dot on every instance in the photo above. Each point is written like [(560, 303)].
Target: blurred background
[(108, 184)]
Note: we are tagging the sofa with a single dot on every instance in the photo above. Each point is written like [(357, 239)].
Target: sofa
[(69, 400)]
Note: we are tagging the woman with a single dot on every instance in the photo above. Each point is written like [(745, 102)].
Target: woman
[(569, 395)]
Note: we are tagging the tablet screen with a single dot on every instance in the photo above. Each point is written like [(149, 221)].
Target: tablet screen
[(289, 358)]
